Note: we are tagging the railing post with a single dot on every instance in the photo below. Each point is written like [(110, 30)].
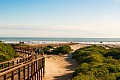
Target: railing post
[(20, 60), (13, 62), (19, 74), (12, 77), (43, 67), (28, 72), (2, 65), (24, 72), (32, 64), (32, 70), (17, 61), (5, 78), (36, 70), (8, 64), (39, 73)]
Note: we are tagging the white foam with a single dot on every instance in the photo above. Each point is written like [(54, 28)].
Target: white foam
[(116, 43), (59, 42), (47, 42), (13, 42)]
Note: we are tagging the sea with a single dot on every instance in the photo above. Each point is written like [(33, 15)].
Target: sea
[(40, 40)]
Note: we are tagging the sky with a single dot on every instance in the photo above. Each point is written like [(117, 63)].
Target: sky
[(60, 18)]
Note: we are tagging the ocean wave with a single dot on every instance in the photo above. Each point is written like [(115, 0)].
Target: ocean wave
[(58, 42)]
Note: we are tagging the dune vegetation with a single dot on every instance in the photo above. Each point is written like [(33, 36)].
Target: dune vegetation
[(6, 52), (65, 49), (97, 63)]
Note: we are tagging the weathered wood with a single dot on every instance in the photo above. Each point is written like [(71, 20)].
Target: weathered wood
[(32, 71), (13, 62), (35, 67), (2, 65), (39, 73), (12, 78), (18, 73), (36, 70), (43, 67), (24, 72), (28, 73), (8, 64), (5, 78)]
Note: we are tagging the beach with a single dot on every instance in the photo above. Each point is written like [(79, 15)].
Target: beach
[(61, 67)]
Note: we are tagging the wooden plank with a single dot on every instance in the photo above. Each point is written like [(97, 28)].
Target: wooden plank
[(12, 77), (28, 72), (24, 72), (8, 64), (36, 70), (17, 61), (18, 73), (32, 70), (2, 65), (5, 78), (13, 62), (43, 66), (41, 73)]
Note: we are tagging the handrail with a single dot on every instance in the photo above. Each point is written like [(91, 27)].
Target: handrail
[(13, 61), (35, 67), (8, 62), (14, 66), (8, 71)]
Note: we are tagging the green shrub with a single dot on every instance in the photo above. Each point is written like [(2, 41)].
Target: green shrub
[(63, 49), (84, 77), (97, 63), (49, 46), (46, 50), (115, 53), (6, 52), (110, 60)]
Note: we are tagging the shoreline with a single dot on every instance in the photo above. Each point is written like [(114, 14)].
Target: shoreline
[(40, 40), (63, 42)]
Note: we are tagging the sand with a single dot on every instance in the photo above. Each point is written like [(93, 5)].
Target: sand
[(61, 67)]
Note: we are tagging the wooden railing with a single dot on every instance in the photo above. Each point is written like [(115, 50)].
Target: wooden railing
[(33, 70), (12, 63), (26, 54), (23, 51), (23, 69)]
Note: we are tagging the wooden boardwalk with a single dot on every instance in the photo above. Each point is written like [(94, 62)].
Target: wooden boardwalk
[(26, 68)]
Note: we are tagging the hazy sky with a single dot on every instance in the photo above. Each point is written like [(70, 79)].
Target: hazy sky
[(60, 18)]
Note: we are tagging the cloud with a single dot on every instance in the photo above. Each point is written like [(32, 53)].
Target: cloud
[(117, 0), (27, 28), (41, 28)]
